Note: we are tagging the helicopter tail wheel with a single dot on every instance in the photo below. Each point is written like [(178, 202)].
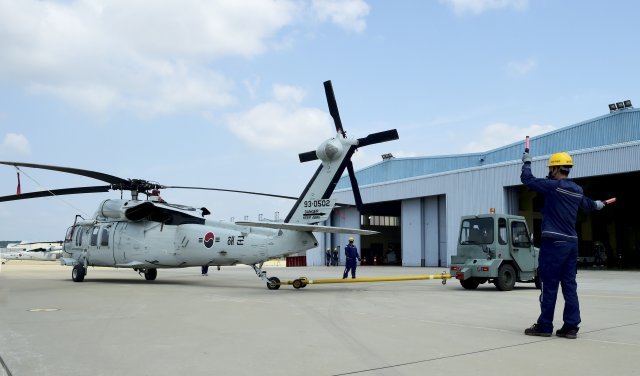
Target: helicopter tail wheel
[(274, 283), (151, 274), (77, 273)]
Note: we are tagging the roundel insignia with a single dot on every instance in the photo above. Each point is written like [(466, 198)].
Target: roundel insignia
[(209, 239)]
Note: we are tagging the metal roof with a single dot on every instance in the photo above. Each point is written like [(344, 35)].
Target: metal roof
[(610, 129)]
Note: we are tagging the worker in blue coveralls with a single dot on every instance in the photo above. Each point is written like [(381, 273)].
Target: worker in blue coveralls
[(334, 257), (559, 243), (327, 257), (351, 253)]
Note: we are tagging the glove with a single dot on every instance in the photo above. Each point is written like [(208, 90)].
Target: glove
[(526, 158), (599, 205)]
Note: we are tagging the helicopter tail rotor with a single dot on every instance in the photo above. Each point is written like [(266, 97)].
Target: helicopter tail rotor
[(315, 204), (371, 139)]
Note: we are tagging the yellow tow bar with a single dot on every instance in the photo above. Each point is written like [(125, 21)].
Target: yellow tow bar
[(304, 281)]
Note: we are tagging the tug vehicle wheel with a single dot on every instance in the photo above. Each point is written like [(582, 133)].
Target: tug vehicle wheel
[(470, 284), (506, 278)]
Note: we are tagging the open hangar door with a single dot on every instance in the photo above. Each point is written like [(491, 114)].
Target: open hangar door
[(384, 248), (609, 237)]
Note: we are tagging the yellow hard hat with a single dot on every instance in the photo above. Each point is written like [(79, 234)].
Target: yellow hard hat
[(351, 239), (328, 249), (560, 159)]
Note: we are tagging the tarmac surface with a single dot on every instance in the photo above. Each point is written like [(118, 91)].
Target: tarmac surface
[(229, 323)]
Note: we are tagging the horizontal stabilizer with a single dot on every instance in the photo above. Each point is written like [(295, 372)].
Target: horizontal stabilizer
[(307, 228)]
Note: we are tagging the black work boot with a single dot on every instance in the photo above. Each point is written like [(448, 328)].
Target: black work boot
[(535, 331), (567, 333)]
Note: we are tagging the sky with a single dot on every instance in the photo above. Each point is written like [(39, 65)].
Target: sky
[(226, 94)]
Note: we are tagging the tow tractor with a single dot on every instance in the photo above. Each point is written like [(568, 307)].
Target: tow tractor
[(495, 248)]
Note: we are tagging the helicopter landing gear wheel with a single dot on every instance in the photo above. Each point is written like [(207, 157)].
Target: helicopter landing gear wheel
[(274, 283), (150, 274), (78, 272)]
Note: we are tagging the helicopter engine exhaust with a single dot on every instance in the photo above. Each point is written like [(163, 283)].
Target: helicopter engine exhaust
[(126, 209)]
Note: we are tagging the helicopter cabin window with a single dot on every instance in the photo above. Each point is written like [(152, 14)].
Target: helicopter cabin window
[(79, 233), (94, 235), (520, 235), (502, 231), (104, 236)]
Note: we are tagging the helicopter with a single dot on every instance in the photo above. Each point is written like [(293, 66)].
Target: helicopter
[(150, 234), (41, 251)]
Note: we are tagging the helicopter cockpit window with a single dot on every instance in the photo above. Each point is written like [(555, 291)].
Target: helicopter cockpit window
[(104, 236), (94, 235), (69, 235), (476, 231)]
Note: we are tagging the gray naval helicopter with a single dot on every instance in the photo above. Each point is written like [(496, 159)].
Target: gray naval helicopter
[(150, 234)]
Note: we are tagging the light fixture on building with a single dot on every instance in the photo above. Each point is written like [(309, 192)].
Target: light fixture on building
[(386, 157), (620, 105)]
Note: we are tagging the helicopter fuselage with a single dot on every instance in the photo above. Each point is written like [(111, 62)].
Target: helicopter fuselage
[(173, 236)]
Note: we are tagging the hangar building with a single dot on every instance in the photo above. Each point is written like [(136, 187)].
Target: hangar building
[(416, 203)]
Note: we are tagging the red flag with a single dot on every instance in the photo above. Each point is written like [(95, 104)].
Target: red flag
[(18, 189)]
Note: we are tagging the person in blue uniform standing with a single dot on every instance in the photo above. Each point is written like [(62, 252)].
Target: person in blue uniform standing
[(351, 253), (335, 254), (327, 257), (559, 243)]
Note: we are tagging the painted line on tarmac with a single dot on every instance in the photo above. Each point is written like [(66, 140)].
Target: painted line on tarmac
[(5, 367), (542, 339)]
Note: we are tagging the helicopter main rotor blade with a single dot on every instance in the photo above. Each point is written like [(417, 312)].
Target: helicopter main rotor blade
[(76, 171), (57, 192), (233, 191)]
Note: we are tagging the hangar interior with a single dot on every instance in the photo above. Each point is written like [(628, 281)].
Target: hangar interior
[(614, 230), (384, 248)]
